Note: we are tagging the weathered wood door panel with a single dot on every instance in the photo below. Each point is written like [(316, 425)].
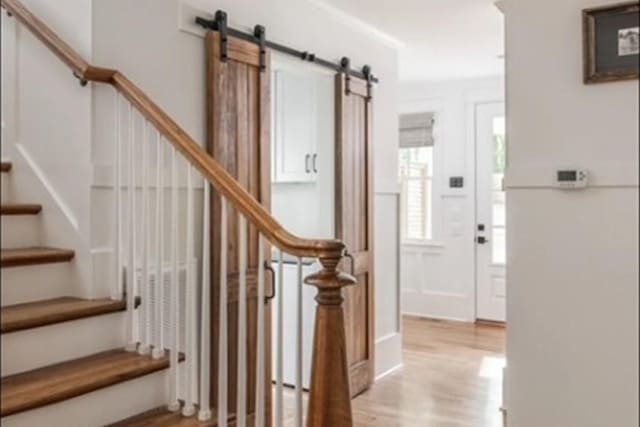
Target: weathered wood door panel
[(354, 223), (238, 98)]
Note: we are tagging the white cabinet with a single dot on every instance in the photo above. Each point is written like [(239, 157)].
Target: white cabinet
[(295, 156)]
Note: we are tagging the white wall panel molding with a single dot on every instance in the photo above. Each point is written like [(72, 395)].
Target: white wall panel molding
[(388, 345), (388, 354), (438, 305), (430, 287), (46, 183)]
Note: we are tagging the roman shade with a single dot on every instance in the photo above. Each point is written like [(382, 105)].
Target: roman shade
[(416, 130)]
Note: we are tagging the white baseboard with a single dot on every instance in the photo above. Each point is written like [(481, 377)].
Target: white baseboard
[(388, 354), (436, 305)]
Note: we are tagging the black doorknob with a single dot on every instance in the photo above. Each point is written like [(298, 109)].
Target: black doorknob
[(482, 240)]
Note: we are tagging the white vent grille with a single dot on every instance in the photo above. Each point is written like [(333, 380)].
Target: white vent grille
[(167, 283)]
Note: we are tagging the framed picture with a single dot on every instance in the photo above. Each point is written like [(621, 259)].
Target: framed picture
[(611, 42)]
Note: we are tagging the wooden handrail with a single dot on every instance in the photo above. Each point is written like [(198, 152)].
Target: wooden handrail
[(215, 173)]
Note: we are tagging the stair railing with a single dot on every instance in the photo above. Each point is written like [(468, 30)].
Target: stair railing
[(148, 141)]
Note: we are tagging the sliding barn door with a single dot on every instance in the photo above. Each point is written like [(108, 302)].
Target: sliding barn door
[(238, 120), (354, 222)]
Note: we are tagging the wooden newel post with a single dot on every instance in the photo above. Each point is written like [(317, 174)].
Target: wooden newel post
[(330, 398)]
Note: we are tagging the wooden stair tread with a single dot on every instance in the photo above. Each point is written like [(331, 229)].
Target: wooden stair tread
[(55, 383), (20, 209), (36, 255), (161, 417), (41, 313), (5, 166)]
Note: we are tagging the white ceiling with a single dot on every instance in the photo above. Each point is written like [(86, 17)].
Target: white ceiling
[(439, 39)]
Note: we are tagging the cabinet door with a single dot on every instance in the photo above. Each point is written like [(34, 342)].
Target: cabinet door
[(294, 128)]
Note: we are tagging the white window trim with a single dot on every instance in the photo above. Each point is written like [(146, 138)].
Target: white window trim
[(436, 106)]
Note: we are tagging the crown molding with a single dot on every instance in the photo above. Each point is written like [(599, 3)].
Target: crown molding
[(359, 24)]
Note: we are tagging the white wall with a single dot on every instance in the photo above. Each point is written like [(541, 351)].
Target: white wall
[(48, 127), (169, 64), (302, 207), (572, 306), (438, 278)]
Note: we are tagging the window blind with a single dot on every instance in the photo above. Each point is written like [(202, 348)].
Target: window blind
[(416, 130)]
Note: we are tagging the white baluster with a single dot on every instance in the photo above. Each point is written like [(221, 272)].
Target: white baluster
[(174, 404), (158, 350), (299, 347), (260, 350), (241, 404), (280, 344), (131, 268), (191, 366), (145, 308), (223, 341), (118, 293), (204, 414)]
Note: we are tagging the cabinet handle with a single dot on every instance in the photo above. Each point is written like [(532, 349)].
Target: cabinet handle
[(306, 163), (315, 166)]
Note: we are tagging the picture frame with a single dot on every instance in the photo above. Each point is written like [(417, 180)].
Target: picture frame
[(611, 43)]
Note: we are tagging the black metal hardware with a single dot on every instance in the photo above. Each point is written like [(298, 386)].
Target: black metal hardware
[(306, 56), (480, 227), (270, 269), (82, 80), (366, 70), (482, 240), (259, 32), (307, 157), (221, 24), (216, 25), (353, 263), (345, 63), (314, 162), (456, 182)]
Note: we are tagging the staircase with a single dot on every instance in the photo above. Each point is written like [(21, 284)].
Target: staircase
[(151, 355), (71, 368)]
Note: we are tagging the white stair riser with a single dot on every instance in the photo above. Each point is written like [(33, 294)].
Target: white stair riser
[(38, 347), (20, 231), (100, 407), (36, 282)]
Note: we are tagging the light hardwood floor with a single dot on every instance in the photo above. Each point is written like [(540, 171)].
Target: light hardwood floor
[(452, 377)]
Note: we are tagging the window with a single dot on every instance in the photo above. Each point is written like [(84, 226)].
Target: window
[(416, 175), (498, 195)]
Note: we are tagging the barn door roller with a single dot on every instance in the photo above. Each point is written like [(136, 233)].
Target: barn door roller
[(220, 24)]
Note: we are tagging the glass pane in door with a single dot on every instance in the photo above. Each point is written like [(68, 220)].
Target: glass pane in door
[(498, 195)]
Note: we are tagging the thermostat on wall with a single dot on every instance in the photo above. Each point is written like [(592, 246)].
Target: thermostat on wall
[(571, 178)]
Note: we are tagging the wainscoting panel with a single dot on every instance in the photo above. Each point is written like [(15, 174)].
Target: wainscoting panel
[(432, 286)]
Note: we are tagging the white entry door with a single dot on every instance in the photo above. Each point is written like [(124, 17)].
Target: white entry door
[(491, 287)]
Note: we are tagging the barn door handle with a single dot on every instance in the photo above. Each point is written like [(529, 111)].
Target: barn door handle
[(270, 269), (315, 167), (352, 263)]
